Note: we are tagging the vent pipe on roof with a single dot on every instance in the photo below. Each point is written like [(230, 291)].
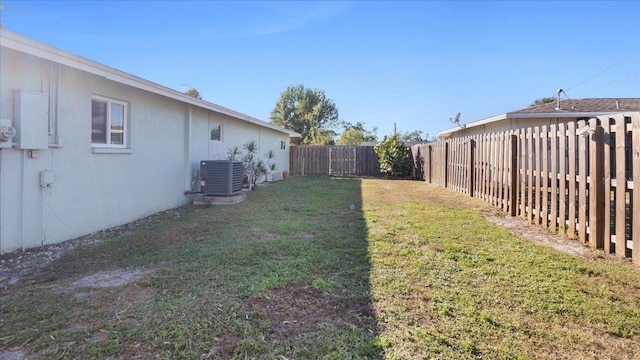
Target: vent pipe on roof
[(618, 104), (558, 107)]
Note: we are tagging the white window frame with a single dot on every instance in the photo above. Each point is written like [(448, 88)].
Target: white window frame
[(283, 145), (125, 124), (213, 125)]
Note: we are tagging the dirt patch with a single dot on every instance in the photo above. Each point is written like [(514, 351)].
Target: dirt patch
[(262, 235), (12, 355), (104, 279), (540, 235), (297, 310), (222, 347)]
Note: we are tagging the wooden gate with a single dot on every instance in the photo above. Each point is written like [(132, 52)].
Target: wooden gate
[(342, 160)]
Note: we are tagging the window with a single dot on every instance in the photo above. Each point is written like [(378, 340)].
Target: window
[(108, 123), (216, 132), (283, 145)]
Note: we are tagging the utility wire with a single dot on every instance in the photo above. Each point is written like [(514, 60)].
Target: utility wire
[(629, 75), (595, 75), (602, 71)]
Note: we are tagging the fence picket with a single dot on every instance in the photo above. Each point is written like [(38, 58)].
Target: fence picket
[(537, 180), (545, 176), (553, 153), (522, 173), (596, 189), (583, 186), (572, 153), (605, 123), (562, 178)]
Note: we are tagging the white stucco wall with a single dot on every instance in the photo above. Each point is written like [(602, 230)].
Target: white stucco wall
[(94, 191)]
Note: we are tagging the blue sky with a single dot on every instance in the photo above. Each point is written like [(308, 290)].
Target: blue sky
[(413, 63)]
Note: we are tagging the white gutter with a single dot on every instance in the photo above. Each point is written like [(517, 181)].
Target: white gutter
[(19, 43)]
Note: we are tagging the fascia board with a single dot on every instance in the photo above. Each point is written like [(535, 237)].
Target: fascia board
[(449, 132)]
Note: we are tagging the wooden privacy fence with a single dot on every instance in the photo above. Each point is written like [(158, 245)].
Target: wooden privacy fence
[(580, 179), (333, 160)]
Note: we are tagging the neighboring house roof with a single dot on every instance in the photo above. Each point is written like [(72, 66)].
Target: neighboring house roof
[(22, 44), (584, 106), (568, 108)]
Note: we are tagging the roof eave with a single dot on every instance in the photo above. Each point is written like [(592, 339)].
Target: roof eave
[(559, 114), (22, 44), (449, 132)]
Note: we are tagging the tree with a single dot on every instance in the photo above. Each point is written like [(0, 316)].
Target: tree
[(194, 92), (321, 137), (393, 156), (351, 137), (415, 135), (544, 100), (356, 134), (307, 112)]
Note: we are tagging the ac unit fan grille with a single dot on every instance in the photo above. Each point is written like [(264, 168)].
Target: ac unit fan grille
[(221, 178)]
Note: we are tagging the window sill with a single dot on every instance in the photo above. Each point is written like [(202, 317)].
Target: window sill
[(105, 150)]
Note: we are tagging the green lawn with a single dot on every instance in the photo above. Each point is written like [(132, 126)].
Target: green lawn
[(295, 272)]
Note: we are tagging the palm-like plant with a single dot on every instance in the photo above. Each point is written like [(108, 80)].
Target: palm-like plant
[(233, 153), (271, 166), (253, 168)]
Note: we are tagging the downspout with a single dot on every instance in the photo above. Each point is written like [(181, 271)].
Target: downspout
[(54, 139), (42, 222), (24, 190)]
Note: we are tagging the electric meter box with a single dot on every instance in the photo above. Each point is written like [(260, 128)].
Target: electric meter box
[(31, 119)]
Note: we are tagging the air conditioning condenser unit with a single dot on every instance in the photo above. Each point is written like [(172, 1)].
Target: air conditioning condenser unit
[(221, 177)]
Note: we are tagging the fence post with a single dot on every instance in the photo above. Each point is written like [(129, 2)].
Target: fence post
[(596, 187), (513, 195), (429, 156), (635, 150), (471, 171), (446, 164)]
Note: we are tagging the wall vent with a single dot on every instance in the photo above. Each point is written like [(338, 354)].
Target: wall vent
[(221, 177)]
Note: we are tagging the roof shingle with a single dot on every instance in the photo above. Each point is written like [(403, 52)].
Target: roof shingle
[(584, 105)]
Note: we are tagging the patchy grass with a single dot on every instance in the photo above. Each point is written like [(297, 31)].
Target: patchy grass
[(448, 284), (413, 272), (283, 273)]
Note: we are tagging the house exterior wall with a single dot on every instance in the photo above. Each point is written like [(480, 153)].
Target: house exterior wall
[(92, 189), (238, 134)]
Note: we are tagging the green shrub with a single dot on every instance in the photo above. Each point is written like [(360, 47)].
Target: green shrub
[(393, 156)]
